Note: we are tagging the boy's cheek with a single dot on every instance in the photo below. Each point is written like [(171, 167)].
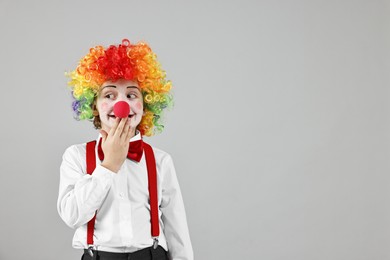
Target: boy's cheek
[(104, 106), (138, 106)]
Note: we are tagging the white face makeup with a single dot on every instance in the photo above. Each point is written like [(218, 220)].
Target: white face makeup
[(120, 90)]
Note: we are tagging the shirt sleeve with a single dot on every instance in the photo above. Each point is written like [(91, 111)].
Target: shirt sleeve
[(80, 194), (174, 216)]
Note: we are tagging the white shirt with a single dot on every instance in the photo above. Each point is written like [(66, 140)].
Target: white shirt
[(122, 203)]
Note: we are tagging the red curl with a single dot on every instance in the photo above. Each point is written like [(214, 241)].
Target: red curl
[(115, 64)]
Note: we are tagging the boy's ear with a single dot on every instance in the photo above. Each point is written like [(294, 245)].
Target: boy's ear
[(95, 112)]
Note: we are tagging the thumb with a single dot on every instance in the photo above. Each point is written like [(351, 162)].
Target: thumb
[(104, 134)]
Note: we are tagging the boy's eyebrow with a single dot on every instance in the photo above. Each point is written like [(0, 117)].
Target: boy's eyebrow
[(109, 86), (113, 86)]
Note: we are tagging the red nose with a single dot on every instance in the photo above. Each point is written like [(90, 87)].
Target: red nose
[(121, 109)]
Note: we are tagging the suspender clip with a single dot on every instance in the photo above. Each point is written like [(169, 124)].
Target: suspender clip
[(90, 250), (155, 242)]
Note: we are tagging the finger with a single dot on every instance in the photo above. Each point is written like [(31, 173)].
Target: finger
[(114, 127), (126, 130), (119, 129), (130, 133)]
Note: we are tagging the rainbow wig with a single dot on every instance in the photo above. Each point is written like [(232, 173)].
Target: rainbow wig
[(124, 61)]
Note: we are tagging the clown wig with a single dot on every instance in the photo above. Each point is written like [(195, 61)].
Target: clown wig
[(124, 61)]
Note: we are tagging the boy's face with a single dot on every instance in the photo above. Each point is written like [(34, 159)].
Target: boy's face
[(120, 90)]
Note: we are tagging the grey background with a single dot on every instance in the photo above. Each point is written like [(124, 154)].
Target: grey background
[(280, 133)]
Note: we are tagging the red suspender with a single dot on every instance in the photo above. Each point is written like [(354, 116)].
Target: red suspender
[(152, 186), (91, 158), (152, 181), (91, 165)]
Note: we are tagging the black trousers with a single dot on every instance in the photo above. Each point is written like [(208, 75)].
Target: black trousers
[(144, 254)]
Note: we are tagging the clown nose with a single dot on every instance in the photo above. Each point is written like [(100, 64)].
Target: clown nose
[(121, 109)]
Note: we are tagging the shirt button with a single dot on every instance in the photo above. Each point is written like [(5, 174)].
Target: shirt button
[(121, 195)]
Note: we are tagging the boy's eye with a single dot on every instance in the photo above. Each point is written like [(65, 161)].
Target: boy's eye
[(109, 96), (131, 96)]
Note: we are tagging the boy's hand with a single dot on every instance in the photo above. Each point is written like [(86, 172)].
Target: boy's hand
[(115, 144)]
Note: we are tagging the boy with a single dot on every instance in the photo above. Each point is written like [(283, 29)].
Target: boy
[(121, 195)]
